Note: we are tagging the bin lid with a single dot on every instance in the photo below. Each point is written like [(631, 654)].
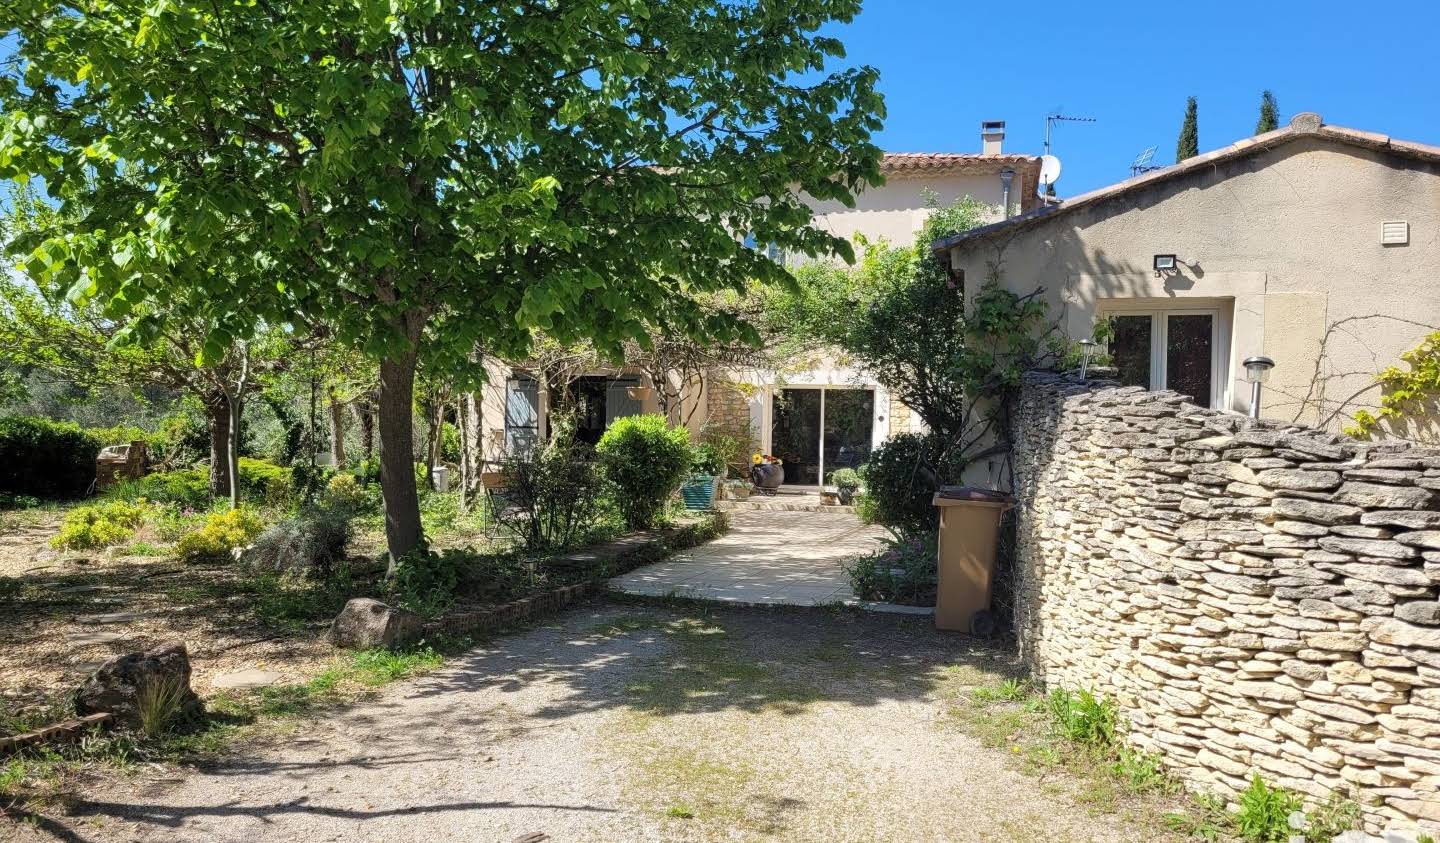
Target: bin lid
[(973, 493)]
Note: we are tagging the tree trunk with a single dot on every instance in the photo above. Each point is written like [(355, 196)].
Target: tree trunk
[(365, 415), (394, 408), (233, 452), (473, 449), (337, 432), (217, 418)]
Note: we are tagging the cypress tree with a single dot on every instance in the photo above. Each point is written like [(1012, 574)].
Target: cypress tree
[(1189, 144), (1269, 114)]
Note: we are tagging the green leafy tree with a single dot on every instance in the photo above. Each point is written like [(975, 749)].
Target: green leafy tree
[(1269, 114), (422, 177), (1188, 146)]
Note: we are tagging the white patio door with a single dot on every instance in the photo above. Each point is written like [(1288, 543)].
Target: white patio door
[(1170, 348)]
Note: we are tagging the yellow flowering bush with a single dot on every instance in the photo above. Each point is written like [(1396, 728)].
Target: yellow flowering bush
[(102, 525), (221, 533)]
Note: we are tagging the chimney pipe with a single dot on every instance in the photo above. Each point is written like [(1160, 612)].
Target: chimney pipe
[(1007, 177), (992, 137)]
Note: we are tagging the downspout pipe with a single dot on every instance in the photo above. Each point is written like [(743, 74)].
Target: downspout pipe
[(1007, 176)]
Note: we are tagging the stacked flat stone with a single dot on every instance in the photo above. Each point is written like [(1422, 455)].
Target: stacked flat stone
[(1254, 597)]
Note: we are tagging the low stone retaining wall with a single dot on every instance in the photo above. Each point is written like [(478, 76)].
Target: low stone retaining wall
[(612, 559), (66, 730), (1254, 597)]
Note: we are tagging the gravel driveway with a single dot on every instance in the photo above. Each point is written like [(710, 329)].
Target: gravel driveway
[(624, 722)]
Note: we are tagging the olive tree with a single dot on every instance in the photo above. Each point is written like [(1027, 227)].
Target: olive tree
[(423, 177)]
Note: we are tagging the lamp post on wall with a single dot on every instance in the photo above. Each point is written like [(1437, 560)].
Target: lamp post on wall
[(1257, 371), (1087, 348)]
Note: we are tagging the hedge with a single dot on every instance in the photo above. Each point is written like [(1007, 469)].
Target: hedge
[(46, 459)]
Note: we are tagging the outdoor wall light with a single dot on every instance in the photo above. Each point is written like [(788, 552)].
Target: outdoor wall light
[(1257, 371), (1087, 348), (1165, 263)]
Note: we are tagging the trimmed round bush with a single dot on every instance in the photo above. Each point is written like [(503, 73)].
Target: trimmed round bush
[(46, 459), (646, 460), (901, 480)]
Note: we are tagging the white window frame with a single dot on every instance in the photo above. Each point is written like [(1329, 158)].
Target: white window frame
[(1220, 313), (878, 420)]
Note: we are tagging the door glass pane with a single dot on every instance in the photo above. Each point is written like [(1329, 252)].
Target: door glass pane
[(1130, 348), (849, 422), (795, 437), (1188, 355), (522, 416)]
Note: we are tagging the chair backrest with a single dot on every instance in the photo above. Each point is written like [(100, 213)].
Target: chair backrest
[(494, 480)]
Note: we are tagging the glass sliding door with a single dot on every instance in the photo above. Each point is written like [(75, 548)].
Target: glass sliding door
[(849, 423), (795, 436), (817, 431), (1169, 349)]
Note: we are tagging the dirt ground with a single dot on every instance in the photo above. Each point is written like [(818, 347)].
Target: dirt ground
[(633, 721), (64, 614)]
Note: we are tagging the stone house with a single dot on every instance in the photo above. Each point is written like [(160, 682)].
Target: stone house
[(819, 413), (1314, 245)]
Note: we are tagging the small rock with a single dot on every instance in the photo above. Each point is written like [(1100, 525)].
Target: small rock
[(117, 686)]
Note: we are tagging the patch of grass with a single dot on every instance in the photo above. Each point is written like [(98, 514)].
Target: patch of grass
[(1204, 819), (680, 812), (159, 704), (146, 549), (1083, 718), (625, 624), (1011, 690)]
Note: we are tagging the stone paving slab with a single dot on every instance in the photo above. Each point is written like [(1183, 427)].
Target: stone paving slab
[(768, 557)]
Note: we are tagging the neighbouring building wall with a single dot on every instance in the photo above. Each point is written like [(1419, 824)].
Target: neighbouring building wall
[(1287, 240), (896, 210), (1254, 597)]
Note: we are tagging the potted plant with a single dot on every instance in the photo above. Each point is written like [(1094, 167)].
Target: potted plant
[(847, 483), (737, 490), (706, 466)]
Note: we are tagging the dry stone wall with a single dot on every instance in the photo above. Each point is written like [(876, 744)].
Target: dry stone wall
[(1254, 597)]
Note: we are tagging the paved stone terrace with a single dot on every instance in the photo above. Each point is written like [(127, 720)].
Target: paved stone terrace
[(785, 558)]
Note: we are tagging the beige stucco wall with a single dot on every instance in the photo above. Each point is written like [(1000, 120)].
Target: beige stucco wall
[(895, 210), (1288, 239)]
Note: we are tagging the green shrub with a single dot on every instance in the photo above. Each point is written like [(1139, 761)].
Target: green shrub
[(265, 482), (121, 434), (426, 582), (554, 495), (708, 460), (846, 478), (103, 525), (187, 487), (222, 533), (646, 461), (46, 459), (901, 479), (903, 573), (345, 493), (312, 542), (1264, 813)]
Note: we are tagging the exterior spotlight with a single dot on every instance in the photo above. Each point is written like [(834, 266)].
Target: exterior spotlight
[(1257, 371), (1164, 263), (1087, 348)]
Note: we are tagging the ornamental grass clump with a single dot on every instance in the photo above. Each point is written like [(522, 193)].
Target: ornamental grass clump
[(103, 525), (646, 460), (220, 535)]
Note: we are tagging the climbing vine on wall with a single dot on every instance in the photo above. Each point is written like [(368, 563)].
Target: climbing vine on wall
[(1408, 396)]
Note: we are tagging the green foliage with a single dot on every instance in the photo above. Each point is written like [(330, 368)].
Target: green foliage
[(1269, 114), (903, 573), (312, 542), (221, 533), (645, 460), (709, 460), (901, 479), (122, 434), (426, 582), (1188, 145), (159, 704), (1407, 395), (46, 459), (1330, 819), (429, 213), (1264, 813), (846, 478), (187, 487), (731, 447), (102, 525), (343, 492), (554, 495), (265, 482), (1011, 690), (1083, 718)]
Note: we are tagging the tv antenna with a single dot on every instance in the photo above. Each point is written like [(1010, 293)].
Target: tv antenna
[(1056, 117), (1142, 162)]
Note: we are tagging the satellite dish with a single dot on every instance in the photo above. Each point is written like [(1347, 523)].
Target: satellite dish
[(1049, 169)]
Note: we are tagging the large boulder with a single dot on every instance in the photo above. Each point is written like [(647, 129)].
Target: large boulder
[(121, 683), (366, 623)]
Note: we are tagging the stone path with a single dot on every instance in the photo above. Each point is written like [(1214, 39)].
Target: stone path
[(634, 723), (789, 558)]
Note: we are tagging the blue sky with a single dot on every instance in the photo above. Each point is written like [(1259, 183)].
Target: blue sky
[(946, 66)]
